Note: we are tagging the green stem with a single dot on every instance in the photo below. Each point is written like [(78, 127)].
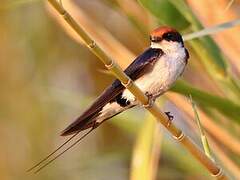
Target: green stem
[(201, 129)]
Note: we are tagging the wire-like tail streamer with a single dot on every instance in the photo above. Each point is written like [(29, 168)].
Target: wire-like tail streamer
[(52, 153), (57, 156)]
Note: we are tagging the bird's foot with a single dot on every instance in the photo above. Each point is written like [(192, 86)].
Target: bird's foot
[(170, 118), (150, 100)]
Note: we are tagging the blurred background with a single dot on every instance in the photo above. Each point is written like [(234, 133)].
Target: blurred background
[(48, 77)]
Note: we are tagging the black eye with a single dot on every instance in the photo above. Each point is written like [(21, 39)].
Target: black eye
[(172, 36), (169, 37)]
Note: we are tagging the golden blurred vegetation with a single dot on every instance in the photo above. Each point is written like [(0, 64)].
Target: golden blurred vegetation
[(48, 78)]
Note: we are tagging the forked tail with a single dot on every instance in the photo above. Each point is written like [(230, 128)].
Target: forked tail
[(44, 162)]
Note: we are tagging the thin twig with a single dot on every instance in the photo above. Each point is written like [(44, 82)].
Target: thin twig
[(211, 30)]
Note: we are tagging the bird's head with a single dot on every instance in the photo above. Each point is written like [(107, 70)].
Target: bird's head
[(166, 38)]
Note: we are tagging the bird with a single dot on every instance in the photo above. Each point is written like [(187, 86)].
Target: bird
[(154, 72)]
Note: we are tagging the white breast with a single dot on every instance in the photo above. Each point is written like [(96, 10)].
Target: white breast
[(165, 72)]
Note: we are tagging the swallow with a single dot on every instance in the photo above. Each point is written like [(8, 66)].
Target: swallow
[(154, 72)]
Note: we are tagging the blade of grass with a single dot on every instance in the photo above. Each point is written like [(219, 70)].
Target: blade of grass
[(203, 136), (223, 105), (227, 40), (213, 54), (219, 153), (213, 128), (211, 30), (217, 136), (226, 160)]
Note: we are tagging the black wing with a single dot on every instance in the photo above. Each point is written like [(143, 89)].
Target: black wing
[(136, 69)]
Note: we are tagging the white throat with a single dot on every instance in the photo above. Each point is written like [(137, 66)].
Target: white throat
[(167, 46)]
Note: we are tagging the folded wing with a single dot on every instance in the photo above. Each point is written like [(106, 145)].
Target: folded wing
[(141, 65)]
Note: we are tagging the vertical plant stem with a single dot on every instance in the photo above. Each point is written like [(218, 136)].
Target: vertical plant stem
[(130, 85), (141, 160), (203, 136)]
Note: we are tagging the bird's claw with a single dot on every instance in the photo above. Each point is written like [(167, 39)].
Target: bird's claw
[(170, 118), (150, 100)]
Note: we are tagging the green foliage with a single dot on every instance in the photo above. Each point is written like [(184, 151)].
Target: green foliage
[(223, 105), (165, 13)]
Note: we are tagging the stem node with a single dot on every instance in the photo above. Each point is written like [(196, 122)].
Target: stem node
[(180, 137)]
